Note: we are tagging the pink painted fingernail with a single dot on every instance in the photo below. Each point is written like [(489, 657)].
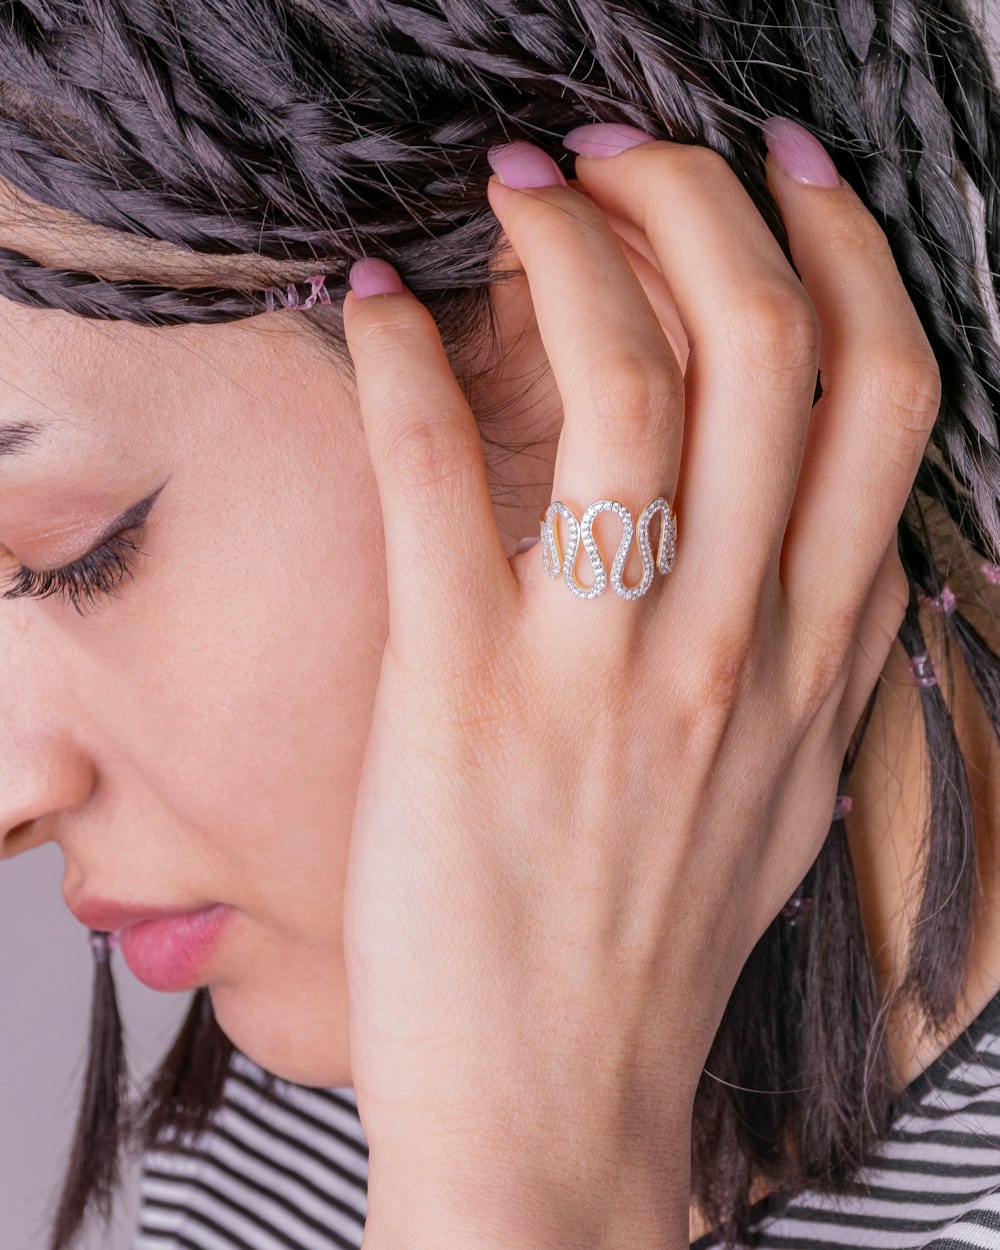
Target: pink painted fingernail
[(374, 277), (799, 153), (604, 138), (521, 165), (526, 544)]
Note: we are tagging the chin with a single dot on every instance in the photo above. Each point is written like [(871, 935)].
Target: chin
[(307, 1047)]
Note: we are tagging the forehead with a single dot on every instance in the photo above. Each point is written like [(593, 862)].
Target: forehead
[(124, 387), (63, 380)]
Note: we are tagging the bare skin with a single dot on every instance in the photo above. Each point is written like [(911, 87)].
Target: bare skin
[(232, 778)]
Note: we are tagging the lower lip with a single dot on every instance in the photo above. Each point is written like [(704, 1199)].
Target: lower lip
[(170, 954)]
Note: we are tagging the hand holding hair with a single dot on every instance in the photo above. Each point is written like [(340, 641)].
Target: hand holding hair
[(579, 813)]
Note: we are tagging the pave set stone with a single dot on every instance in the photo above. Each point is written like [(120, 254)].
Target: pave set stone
[(583, 531)]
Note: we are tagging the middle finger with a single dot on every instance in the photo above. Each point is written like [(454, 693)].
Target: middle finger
[(754, 355), (621, 387)]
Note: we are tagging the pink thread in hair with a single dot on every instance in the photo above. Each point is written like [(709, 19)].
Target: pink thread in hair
[(289, 298), (991, 572), (103, 944), (944, 602), (317, 291), (798, 908), (922, 670)]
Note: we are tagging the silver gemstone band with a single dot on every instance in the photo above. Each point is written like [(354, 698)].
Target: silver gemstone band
[(556, 562)]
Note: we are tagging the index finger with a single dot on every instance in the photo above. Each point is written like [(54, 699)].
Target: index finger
[(441, 535)]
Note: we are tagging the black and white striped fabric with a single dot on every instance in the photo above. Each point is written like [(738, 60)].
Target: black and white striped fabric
[(288, 1170), (285, 1169)]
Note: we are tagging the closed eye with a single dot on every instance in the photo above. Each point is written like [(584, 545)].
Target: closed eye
[(94, 576)]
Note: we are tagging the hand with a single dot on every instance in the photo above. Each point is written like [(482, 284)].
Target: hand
[(576, 818)]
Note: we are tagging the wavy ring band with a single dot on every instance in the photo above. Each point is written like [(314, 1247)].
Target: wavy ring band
[(582, 532)]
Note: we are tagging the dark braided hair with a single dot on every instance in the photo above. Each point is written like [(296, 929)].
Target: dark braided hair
[(292, 136)]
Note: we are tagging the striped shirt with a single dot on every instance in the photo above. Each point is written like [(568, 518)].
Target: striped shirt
[(288, 1169)]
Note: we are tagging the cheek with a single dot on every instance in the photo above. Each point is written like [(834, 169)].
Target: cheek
[(256, 669)]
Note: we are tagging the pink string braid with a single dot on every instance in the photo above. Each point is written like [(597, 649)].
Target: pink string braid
[(842, 806), (102, 944), (944, 602), (797, 909), (922, 669), (289, 298)]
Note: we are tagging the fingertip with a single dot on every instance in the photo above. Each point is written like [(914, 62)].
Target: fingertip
[(501, 194), (371, 276), (799, 155)]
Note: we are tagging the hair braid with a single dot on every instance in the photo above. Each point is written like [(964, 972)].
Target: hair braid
[(24, 280), (965, 76)]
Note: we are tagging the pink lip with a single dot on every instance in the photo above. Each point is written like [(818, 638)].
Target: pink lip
[(169, 954), (164, 949)]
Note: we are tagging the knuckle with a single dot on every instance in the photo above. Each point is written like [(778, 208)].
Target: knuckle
[(395, 328), (821, 662), (634, 402), (820, 675), (489, 706), (774, 328), (665, 157), (418, 453), (902, 377), (712, 685), (694, 161)]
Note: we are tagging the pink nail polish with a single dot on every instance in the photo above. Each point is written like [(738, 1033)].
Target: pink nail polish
[(521, 165), (799, 153), (374, 277), (526, 544), (604, 138)]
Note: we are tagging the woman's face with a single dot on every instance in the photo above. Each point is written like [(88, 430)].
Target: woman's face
[(197, 737)]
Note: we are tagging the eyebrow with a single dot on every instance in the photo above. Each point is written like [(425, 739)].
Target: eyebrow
[(18, 437)]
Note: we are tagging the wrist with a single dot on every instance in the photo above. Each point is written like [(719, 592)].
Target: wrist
[(619, 1218), (525, 1195)]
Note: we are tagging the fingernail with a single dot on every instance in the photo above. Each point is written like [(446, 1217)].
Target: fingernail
[(374, 277), (527, 543), (799, 153), (604, 138), (521, 165)]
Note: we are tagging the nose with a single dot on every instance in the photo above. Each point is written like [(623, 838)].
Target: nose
[(43, 773)]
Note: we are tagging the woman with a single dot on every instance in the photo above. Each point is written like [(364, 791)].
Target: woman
[(423, 823)]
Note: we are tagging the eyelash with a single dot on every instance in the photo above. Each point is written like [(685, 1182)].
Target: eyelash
[(94, 576)]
